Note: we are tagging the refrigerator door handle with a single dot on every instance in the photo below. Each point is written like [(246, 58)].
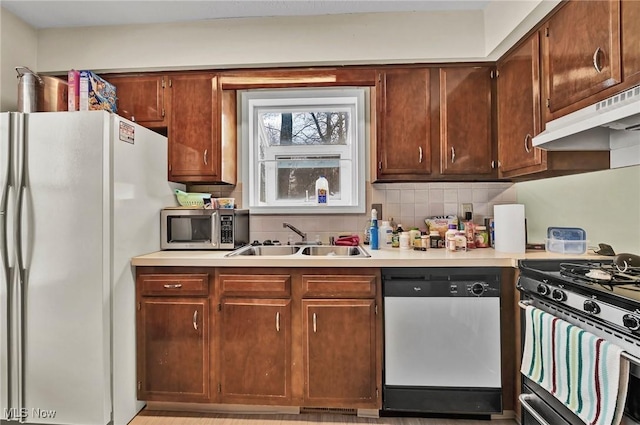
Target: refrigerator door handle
[(4, 203), (20, 271)]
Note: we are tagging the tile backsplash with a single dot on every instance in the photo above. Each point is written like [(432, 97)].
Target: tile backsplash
[(408, 204)]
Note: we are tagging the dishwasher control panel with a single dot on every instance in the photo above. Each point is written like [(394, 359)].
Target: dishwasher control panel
[(438, 282)]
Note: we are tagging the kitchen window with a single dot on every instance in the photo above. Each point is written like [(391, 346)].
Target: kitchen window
[(290, 138)]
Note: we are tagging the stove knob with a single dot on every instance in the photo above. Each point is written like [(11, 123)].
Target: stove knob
[(477, 289), (542, 289), (558, 295), (591, 307), (632, 322)]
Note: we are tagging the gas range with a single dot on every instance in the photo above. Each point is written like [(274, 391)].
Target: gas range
[(598, 289)]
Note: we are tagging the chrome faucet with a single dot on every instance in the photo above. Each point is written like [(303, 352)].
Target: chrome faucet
[(301, 233)]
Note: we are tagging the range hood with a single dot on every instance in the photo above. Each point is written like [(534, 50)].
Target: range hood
[(610, 125)]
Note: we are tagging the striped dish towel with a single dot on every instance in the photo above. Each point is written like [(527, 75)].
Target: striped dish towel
[(581, 370)]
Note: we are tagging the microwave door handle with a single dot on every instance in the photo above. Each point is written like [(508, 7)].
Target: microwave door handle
[(214, 229)]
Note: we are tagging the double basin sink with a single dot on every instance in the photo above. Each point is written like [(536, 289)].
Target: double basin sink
[(295, 250)]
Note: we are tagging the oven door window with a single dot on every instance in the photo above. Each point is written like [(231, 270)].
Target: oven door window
[(189, 229)]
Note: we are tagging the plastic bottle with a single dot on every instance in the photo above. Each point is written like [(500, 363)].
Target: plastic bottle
[(450, 232), (469, 230), (367, 234), (461, 241), (385, 234), (395, 241), (373, 231), (405, 240), (322, 191)]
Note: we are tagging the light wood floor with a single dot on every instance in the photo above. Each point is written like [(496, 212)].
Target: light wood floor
[(182, 418)]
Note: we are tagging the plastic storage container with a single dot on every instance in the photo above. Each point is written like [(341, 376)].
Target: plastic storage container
[(566, 240)]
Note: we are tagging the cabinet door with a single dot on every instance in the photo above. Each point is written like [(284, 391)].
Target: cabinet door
[(141, 98), (630, 40), (194, 148), (339, 353), (582, 51), (173, 349), (466, 142), (403, 124), (519, 107), (255, 342)]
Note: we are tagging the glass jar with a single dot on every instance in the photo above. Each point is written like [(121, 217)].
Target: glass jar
[(435, 240), (481, 236)]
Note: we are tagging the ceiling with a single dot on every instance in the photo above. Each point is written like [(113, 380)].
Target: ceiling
[(52, 14)]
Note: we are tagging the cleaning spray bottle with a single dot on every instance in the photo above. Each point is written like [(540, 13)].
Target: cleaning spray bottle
[(373, 231)]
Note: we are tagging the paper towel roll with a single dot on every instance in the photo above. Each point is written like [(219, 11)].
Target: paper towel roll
[(509, 228)]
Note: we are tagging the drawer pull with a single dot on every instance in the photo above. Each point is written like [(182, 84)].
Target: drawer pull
[(278, 321), (420, 151), (453, 155), (204, 156), (195, 320), (173, 285), (315, 323)]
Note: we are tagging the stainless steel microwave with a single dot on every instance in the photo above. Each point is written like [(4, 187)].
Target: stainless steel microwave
[(182, 228)]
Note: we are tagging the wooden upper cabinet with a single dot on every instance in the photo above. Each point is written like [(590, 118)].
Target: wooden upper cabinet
[(403, 120), (519, 109), (581, 52), (141, 98), (466, 141), (193, 133), (630, 32)]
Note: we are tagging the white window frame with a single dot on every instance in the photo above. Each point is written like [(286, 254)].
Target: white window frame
[(352, 175)]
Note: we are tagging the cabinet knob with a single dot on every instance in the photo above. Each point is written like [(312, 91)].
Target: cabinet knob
[(596, 60)]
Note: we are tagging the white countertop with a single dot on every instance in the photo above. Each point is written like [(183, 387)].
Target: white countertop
[(479, 257)]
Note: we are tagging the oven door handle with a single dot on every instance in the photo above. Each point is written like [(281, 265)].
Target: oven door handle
[(524, 401)]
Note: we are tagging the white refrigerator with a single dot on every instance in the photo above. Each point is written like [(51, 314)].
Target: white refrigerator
[(80, 194)]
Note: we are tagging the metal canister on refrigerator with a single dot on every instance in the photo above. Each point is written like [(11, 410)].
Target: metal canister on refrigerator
[(28, 85)]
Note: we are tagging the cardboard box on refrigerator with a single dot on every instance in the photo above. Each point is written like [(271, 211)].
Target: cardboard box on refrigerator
[(96, 93), (73, 81)]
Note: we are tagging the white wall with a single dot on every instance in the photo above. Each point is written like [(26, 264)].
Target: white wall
[(606, 204), (273, 41), (506, 22), (18, 47)]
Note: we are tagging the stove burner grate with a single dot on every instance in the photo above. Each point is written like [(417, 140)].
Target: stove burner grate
[(605, 274)]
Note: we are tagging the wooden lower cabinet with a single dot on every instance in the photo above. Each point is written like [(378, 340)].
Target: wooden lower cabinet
[(260, 336), (173, 349), (339, 349), (255, 350)]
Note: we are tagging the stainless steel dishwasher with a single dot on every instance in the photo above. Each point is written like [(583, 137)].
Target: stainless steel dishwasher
[(442, 340)]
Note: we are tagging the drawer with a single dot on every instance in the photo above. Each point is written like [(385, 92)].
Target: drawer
[(337, 286), (270, 285), (175, 285)]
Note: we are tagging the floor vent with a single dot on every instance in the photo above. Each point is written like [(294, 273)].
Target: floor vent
[(329, 410)]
